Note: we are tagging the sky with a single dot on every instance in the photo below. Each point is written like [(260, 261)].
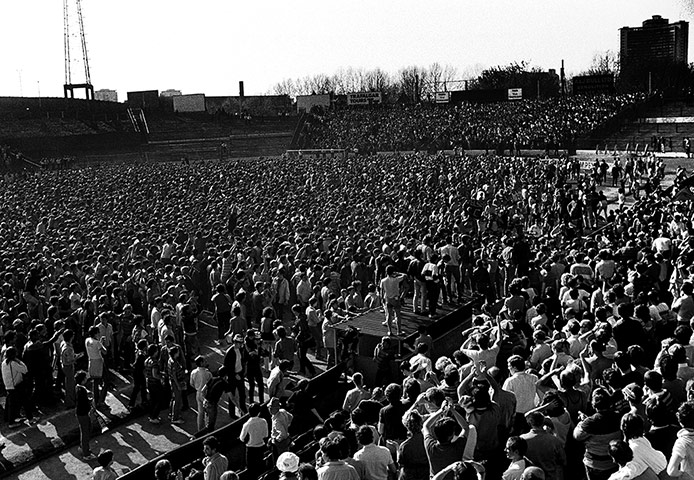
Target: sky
[(207, 46)]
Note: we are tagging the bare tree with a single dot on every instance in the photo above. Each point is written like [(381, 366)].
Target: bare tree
[(435, 76), (285, 87), (346, 80), (604, 63), (303, 85), (438, 76), (320, 84), (413, 81), (376, 80), (449, 74)]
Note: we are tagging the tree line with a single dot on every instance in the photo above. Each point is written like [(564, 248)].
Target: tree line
[(414, 84), (410, 84)]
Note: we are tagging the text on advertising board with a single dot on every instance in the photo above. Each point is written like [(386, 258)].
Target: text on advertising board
[(515, 93), (443, 97), (364, 98)]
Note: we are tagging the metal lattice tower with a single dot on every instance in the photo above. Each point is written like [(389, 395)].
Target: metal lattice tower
[(69, 87)]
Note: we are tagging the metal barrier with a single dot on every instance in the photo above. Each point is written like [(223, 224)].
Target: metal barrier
[(228, 435)]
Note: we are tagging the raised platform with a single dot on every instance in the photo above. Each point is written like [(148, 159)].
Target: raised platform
[(445, 329), (330, 386)]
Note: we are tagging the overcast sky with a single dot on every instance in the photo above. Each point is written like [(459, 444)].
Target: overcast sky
[(207, 46)]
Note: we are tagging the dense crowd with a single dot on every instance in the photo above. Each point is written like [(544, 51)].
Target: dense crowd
[(517, 124), (580, 354), (10, 160), (57, 163)]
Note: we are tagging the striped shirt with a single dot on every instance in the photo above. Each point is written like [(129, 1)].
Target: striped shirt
[(596, 432), (226, 268)]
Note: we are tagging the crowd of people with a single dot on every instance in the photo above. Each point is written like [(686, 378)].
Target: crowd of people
[(578, 361), (537, 124), (11, 161), (57, 163)]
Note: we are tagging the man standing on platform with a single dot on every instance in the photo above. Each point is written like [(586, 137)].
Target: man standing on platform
[(391, 297)]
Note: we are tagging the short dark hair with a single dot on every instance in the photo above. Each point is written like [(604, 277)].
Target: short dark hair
[(621, 452), (517, 362), (307, 471), (105, 457), (535, 419), (331, 449), (365, 435), (668, 367), (254, 409), (393, 393), (657, 411), (518, 445), (162, 469), (632, 426), (342, 441), (444, 429), (211, 442), (653, 380), (10, 354), (685, 415), (80, 376)]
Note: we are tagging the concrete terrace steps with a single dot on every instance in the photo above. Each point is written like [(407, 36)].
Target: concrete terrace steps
[(638, 131)]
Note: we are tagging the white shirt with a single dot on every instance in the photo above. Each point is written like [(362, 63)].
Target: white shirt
[(376, 460), (13, 373), (523, 386), (238, 366), (390, 286), (199, 378), (453, 253), (647, 456), (662, 244), (488, 356), (75, 301), (421, 361), (256, 430), (275, 383), (167, 251), (156, 316), (94, 349)]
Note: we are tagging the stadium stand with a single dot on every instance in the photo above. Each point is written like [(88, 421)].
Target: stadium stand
[(518, 228), (522, 124)]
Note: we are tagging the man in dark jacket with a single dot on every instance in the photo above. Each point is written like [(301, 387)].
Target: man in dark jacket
[(212, 393), (235, 363)]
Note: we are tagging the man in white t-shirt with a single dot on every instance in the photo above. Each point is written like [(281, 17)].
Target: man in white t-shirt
[(523, 386), (452, 267), (662, 244), (198, 379), (390, 296), (254, 434), (377, 460)]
